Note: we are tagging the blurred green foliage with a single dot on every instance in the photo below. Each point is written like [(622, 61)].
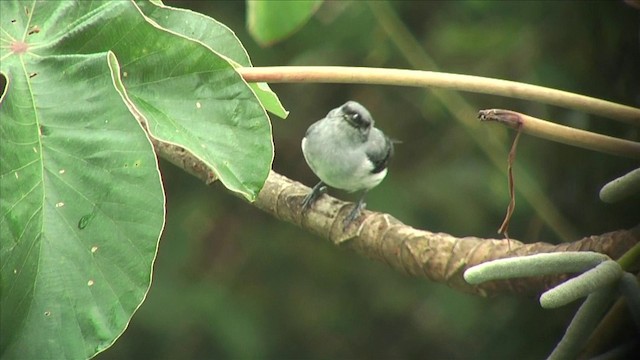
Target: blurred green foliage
[(271, 21), (232, 282)]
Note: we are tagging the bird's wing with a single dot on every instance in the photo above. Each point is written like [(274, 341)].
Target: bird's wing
[(379, 150)]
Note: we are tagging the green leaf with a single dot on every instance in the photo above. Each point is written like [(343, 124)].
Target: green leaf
[(269, 99), (534, 265), (187, 94), (192, 97), (81, 174), (599, 277), (274, 20), (583, 324), (218, 37), (82, 204), (621, 188)]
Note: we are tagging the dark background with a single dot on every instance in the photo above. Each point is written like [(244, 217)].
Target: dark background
[(233, 282)]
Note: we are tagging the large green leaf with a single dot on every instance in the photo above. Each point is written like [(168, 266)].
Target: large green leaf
[(198, 26), (82, 205), (188, 94), (216, 36), (274, 20)]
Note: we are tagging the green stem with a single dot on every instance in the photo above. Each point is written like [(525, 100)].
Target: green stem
[(630, 257), (419, 78), (582, 325)]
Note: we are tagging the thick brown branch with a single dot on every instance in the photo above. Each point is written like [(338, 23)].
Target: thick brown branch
[(439, 257)]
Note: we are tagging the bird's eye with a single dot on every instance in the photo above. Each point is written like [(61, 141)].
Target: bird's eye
[(356, 119)]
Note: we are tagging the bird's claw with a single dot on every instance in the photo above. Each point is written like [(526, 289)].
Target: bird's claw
[(354, 214), (319, 190), (312, 196)]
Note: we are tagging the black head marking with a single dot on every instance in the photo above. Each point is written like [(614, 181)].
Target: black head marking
[(356, 115)]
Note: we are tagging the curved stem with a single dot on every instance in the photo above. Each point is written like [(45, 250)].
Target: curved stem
[(630, 257), (563, 134), (418, 78)]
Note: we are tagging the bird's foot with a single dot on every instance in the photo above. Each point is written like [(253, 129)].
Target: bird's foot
[(311, 197), (354, 214)]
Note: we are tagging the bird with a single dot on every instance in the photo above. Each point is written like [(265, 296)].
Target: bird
[(346, 151)]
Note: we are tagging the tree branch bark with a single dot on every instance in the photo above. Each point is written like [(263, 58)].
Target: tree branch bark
[(438, 257)]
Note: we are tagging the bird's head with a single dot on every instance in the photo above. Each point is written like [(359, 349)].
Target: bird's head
[(356, 116)]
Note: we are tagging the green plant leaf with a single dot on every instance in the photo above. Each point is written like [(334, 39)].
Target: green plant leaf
[(601, 276), (192, 97), (534, 265), (188, 94), (269, 99), (218, 37), (82, 204), (271, 21), (196, 26)]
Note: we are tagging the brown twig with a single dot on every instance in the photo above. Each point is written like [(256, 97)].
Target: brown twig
[(504, 228)]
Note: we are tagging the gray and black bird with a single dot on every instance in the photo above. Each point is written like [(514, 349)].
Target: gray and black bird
[(346, 152)]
